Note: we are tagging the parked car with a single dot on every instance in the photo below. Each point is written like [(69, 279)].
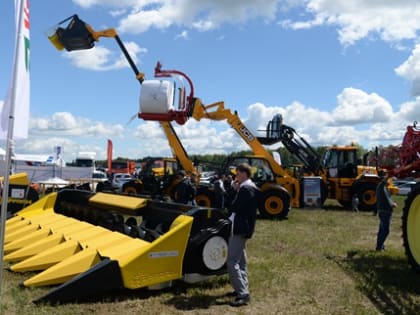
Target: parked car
[(118, 179), (404, 189), (99, 176), (399, 182), (207, 177)]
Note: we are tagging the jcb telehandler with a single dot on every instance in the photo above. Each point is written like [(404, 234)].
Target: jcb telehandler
[(341, 170)]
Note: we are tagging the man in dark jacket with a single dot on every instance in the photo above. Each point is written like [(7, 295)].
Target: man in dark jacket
[(243, 214), (184, 190), (385, 206)]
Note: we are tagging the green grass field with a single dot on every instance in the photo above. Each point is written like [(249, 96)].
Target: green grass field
[(316, 262)]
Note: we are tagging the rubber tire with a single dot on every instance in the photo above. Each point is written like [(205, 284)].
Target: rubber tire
[(367, 196), (411, 227), (131, 188), (218, 253), (204, 197), (103, 186), (275, 204)]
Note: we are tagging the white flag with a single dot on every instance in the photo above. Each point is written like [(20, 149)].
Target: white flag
[(16, 104)]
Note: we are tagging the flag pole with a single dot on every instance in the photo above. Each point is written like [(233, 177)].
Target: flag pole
[(9, 144)]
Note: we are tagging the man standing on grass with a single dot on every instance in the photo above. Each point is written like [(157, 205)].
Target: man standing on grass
[(385, 206), (243, 214)]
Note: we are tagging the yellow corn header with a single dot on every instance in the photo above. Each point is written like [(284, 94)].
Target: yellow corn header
[(86, 243)]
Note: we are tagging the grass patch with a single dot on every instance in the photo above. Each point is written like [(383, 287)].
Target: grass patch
[(316, 262)]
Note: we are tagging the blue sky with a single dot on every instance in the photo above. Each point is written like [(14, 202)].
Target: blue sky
[(337, 70)]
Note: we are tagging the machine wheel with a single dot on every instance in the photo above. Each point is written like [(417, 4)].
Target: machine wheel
[(411, 227), (103, 186), (214, 253), (131, 188), (204, 198), (367, 196), (275, 204)]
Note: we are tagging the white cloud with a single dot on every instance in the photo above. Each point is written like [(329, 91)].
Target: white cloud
[(116, 13), (410, 70), (101, 59), (357, 106), (389, 20), (202, 15), (109, 3), (182, 35), (65, 124), (410, 110)]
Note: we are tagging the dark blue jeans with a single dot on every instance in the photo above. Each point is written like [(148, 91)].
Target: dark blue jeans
[(384, 223)]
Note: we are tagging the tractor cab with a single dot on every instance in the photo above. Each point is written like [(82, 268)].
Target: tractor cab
[(341, 162)]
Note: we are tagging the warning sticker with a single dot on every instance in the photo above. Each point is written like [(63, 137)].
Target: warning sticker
[(171, 253)]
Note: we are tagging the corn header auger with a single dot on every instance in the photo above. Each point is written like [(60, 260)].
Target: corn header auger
[(87, 244)]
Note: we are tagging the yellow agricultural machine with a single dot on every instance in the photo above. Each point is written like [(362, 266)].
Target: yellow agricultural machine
[(21, 193), (87, 244), (341, 171)]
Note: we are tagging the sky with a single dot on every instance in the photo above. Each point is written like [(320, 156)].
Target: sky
[(338, 71)]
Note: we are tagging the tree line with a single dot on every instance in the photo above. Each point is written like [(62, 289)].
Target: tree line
[(385, 156)]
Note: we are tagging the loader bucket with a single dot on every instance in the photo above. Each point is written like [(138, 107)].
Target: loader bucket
[(75, 36), (86, 244)]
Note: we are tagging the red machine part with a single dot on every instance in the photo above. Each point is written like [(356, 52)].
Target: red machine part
[(185, 105), (409, 153)]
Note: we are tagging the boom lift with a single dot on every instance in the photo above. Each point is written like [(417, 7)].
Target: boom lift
[(342, 173), (280, 190)]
